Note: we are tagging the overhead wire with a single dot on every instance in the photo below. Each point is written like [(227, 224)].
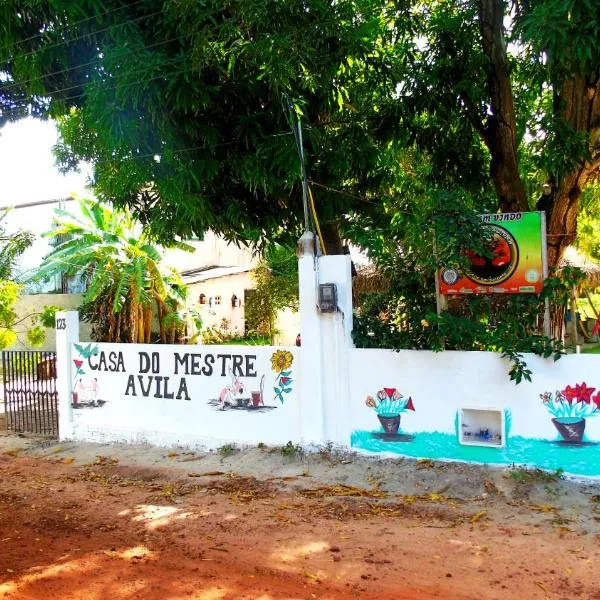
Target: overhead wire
[(82, 36), (87, 87), (86, 64), (74, 24)]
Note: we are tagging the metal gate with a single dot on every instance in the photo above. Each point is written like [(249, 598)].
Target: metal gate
[(30, 397)]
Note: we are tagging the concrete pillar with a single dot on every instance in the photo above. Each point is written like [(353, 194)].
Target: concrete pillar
[(67, 333), (311, 396), (336, 340), (326, 339)]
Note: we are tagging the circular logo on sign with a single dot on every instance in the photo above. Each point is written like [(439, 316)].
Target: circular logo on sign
[(498, 268), (449, 276), (532, 276)]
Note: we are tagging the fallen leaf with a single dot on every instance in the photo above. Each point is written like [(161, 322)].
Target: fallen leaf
[(480, 515), (545, 508), (541, 586), (68, 461)]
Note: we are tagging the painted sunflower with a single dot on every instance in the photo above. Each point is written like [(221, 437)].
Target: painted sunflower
[(281, 360)]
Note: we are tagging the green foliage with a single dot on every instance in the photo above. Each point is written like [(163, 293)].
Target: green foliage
[(227, 450), (219, 334), (11, 247), (276, 288), (291, 450), (406, 316), (532, 476), (48, 315), (588, 222), (9, 292), (122, 269), (185, 116), (9, 321)]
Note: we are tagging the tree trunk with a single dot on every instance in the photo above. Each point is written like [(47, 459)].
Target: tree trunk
[(118, 326), (499, 133), (579, 103), (332, 241), (133, 322), (141, 324), (148, 324)]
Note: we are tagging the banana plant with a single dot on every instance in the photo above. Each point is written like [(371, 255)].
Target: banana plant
[(126, 281)]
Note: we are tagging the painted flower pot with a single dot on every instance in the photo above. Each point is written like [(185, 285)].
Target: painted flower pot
[(75, 398), (390, 423), (571, 429), (256, 398)]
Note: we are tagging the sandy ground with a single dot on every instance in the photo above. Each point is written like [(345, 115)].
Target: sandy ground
[(89, 521)]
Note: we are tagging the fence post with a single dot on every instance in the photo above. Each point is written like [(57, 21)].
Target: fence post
[(326, 339), (311, 389), (67, 332), (336, 336)]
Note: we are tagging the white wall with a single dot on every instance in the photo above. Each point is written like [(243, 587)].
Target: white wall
[(195, 418), (441, 383), (288, 327), (225, 287), (35, 303), (211, 251)]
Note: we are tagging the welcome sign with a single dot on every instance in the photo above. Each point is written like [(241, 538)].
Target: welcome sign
[(202, 391), (517, 262)]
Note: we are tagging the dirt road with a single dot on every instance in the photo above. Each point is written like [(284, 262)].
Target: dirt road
[(101, 522)]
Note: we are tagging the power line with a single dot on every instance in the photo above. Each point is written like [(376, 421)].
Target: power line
[(91, 85), (74, 24), (37, 203), (210, 146), (87, 64), (84, 35), (341, 192)]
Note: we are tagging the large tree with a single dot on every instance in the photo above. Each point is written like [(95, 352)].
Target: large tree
[(184, 107), (516, 85)]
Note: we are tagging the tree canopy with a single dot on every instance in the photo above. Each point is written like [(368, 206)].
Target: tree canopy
[(184, 107)]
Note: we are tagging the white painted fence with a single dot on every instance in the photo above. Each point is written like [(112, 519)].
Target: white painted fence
[(449, 405)]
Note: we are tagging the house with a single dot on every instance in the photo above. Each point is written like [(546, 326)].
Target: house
[(217, 274)]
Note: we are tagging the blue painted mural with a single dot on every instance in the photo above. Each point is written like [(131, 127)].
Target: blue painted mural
[(570, 449)]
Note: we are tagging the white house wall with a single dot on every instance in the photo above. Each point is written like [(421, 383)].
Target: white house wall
[(211, 251), (225, 287), (30, 305)]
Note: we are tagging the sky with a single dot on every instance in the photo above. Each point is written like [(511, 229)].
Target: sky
[(28, 174), (27, 171)]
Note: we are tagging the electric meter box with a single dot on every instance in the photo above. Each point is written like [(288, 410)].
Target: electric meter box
[(328, 297)]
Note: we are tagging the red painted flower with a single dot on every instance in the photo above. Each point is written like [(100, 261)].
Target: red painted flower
[(569, 393), (78, 363), (389, 391), (409, 404), (596, 400), (584, 393), (284, 380)]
